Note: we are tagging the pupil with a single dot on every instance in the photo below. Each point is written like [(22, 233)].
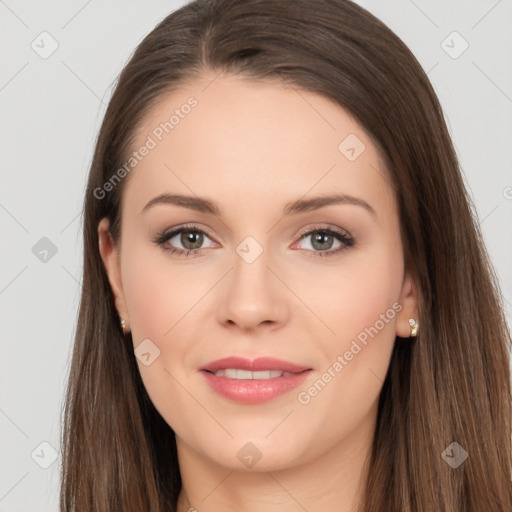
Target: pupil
[(188, 237), (321, 239)]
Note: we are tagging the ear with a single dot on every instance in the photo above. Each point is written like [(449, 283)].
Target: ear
[(111, 261), (409, 301)]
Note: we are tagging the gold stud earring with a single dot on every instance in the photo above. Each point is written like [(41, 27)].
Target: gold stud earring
[(123, 323), (414, 326)]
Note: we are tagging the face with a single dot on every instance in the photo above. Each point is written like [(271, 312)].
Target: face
[(260, 271)]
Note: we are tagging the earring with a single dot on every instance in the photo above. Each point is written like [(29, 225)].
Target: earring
[(123, 323), (414, 326)]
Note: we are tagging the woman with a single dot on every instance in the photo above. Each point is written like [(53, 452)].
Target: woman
[(219, 363)]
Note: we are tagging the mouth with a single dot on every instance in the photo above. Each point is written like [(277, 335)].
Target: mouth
[(253, 381), (236, 373), (260, 364)]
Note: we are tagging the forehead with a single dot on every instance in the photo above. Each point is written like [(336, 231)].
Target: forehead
[(238, 141)]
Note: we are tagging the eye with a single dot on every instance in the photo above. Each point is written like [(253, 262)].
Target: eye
[(191, 239), (323, 239)]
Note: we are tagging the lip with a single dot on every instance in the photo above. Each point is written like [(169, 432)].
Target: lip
[(254, 365), (254, 391)]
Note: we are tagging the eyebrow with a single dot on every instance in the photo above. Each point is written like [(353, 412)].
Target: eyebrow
[(292, 208)]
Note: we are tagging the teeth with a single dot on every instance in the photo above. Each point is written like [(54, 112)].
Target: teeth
[(233, 373)]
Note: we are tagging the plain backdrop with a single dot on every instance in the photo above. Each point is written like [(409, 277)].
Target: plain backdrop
[(51, 109)]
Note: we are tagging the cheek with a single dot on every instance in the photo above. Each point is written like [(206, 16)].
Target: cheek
[(159, 293), (360, 305), (160, 299), (352, 296), (163, 301)]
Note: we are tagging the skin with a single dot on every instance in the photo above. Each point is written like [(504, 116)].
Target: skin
[(252, 147)]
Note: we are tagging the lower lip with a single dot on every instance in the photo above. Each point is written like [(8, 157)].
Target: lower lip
[(255, 391)]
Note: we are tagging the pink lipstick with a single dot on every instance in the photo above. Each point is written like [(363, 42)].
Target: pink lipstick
[(253, 381)]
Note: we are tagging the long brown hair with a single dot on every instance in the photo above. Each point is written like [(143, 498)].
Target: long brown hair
[(449, 384)]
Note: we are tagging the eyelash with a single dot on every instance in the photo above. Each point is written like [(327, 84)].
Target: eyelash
[(165, 236)]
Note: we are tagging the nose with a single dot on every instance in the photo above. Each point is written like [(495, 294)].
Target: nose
[(252, 295)]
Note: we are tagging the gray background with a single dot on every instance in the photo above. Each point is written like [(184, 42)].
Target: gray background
[(51, 111)]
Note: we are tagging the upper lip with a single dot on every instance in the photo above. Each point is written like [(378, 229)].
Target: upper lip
[(254, 365)]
